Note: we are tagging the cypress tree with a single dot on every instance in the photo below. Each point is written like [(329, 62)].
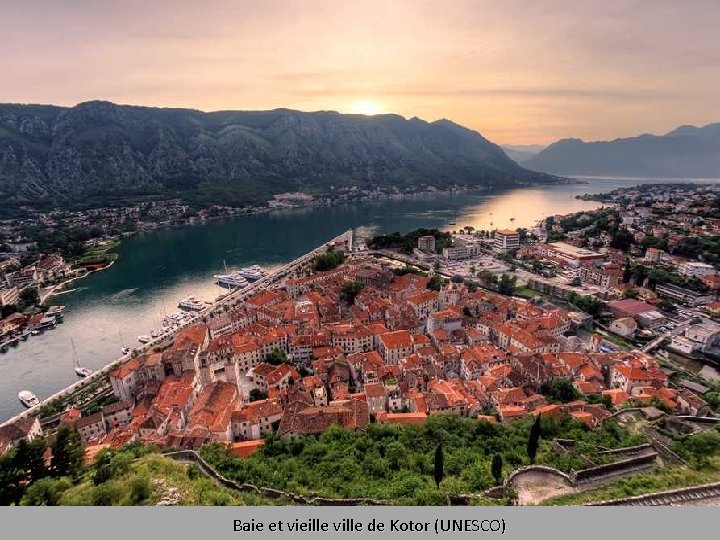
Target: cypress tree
[(533, 440), (497, 464), (438, 464)]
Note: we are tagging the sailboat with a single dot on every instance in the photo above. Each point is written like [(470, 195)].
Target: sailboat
[(80, 371)]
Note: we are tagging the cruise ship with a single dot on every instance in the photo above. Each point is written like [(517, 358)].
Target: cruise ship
[(234, 280), (28, 399)]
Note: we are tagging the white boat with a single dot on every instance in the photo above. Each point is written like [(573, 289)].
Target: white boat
[(234, 280), (253, 273), (80, 371), (191, 303), (125, 350), (28, 399), (83, 371), (144, 339)]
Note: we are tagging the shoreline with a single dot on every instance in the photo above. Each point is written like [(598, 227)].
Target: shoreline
[(233, 298)]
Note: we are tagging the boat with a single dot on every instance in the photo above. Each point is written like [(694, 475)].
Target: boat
[(4, 347), (253, 273), (233, 280), (144, 338), (125, 351), (25, 335), (83, 371), (191, 303), (80, 371), (28, 399)]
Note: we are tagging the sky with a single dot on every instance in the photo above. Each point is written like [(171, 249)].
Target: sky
[(519, 72)]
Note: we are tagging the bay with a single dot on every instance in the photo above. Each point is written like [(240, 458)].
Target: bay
[(109, 309)]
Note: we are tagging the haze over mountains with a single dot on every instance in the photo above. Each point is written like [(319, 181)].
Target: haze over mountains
[(685, 152), (522, 152), (98, 149)]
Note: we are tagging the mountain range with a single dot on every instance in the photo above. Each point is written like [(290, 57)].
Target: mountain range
[(96, 150), (685, 152)]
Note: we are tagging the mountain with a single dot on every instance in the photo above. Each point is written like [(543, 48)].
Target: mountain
[(521, 152), (685, 152), (98, 149)]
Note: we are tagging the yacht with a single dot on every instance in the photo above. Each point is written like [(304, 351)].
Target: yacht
[(28, 399), (80, 371), (83, 371), (144, 339), (253, 273), (191, 303), (234, 280)]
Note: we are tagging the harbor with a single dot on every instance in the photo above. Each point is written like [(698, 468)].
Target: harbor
[(99, 378)]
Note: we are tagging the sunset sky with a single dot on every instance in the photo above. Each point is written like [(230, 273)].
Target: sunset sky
[(517, 71)]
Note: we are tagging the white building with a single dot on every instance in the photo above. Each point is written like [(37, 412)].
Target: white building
[(506, 240), (697, 269)]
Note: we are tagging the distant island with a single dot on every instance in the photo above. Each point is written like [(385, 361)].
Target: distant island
[(685, 152), (105, 154)]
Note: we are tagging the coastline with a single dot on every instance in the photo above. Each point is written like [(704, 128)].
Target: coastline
[(231, 299)]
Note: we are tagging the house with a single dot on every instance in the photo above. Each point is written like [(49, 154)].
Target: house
[(395, 345), (117, 415), (91, 427), (24, 429), (256, 419), (625, 327)]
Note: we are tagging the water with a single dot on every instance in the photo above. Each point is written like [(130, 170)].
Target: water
[(109, 309)]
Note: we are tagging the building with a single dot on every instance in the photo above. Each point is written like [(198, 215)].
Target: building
[(506, 240), (426, 244), (625, 327), (680, 294), (572, 255), (697, 269), (9, 296)]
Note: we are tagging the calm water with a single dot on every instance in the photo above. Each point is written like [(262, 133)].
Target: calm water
[(156, 270)]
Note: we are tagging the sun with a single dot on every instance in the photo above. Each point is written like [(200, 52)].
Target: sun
[(366, 107)]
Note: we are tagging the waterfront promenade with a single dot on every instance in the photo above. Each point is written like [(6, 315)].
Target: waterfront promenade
[(230, 300)]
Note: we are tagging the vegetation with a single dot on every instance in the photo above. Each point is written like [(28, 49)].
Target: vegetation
[(507, 284), (350, 290), (559, 390), (277, 357), (405, 243), (496, 468), (588, 304), (534, 440), (438, 465), (398, 463), (328, 261)]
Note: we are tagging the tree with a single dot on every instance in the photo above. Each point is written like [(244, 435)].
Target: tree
[(438, 464), (436, 282), (67, 452), (559, 389), (30, 458), (622, 239), (276, 357), (506, 285), (350, 290), (576, 281), (497, 464), (29, 296), (533, 439), (328, 260)]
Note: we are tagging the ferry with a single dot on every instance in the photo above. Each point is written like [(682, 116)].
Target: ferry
[(28, 399), (253, 273), (191, 303), (235, 280)]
